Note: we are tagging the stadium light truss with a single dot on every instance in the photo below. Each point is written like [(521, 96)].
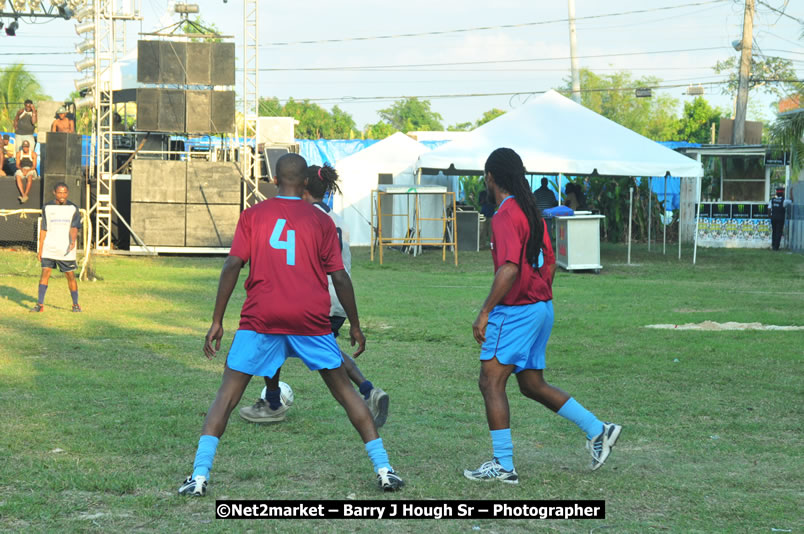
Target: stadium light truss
[(58, 9)]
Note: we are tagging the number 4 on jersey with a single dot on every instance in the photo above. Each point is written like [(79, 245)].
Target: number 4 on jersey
[(288, 245)]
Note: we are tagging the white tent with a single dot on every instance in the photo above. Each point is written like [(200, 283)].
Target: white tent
[(553, 134), (395, 155)]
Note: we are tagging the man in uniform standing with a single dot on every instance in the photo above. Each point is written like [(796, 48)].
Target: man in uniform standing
[(778, 209), (57, 238)]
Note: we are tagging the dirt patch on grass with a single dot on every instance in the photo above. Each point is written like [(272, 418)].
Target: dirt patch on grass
[(713, 326)]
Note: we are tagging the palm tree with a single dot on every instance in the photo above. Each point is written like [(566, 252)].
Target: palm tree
[(788, 130), (16, 85)]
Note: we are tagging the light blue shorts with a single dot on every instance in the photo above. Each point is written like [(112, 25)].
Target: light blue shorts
[(262, 354), (518, 335)]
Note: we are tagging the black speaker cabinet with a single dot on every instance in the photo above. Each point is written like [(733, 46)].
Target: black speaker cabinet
[(121, 198), (211, 182), (147, 62), (154, 142), (147, 109), (468, 223), (271, 156), (222, 68), (222, 111), (172, 103), (73, 182), (61, 154), (172, 62), (198, 112), (198, 63), (159, 224), (160, 181), (211, 225)]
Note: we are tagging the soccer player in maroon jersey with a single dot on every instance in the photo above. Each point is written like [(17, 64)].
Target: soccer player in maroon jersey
[(515, 321), (291, 247), (269, 408)]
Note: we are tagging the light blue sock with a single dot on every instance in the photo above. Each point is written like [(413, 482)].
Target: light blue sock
[(205, 455), (503, 447), (378, 455), (582, 417)]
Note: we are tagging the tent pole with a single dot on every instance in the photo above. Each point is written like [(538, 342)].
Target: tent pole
[(630, 216), (664, 226), (650, 205), (419, 176), (680, 189), (697, 217)]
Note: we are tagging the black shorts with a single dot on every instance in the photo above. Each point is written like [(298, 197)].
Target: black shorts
[(64, 266), (336, 322)]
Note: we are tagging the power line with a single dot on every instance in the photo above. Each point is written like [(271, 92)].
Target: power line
[(781, 12), (487, 62), (348, 99), (486, 28)]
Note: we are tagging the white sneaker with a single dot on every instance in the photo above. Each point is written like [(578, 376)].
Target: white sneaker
[(600, 446), (492, 470)]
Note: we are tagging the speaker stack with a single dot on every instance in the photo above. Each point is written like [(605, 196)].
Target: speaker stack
[(188, 109), (184, 203), (61, 162), (192, 203)]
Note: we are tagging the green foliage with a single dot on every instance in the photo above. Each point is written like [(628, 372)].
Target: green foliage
[(378, 130), (609, 196), (697, 119), (489, 115), (315, 122), (412, 115), (461, 127), (468, 126), (612, 96), (472, 186), (17, 85), (770, 68), (197, 26), (788, 132)]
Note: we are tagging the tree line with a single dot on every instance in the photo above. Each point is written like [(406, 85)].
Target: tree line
[(610, 95)]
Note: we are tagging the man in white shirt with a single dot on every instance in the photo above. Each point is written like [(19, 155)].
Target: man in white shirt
[(57, 239)]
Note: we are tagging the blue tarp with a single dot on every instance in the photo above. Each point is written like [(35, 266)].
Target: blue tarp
[(320, 151)]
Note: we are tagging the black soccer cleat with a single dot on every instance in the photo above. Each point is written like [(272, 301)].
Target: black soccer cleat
[(37, 308), (77, 308), (387, 480), (194, 487)]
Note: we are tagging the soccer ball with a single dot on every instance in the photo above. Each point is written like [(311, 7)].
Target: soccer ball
[(285, 394)]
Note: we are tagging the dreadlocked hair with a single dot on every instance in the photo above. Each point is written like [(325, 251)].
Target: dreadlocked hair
[(322, 180), (506, 167)]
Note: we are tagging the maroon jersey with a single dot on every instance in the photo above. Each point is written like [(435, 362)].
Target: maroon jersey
[(291, 246), (509, 239)]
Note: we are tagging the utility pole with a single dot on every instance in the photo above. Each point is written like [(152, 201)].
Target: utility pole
[(738, 136), (576, 78)]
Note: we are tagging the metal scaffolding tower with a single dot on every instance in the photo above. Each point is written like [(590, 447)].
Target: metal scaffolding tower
[(248, 159), (109, 21)]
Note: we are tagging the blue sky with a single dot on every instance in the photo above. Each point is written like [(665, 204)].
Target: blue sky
[(708, 27)]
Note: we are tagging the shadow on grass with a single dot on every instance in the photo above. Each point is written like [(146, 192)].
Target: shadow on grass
[(15, 295)]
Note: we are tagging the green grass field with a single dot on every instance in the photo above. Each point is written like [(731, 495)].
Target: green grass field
[(100, 412)]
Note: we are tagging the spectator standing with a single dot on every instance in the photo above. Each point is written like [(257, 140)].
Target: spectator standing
[(25, 124), (545, 198)]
